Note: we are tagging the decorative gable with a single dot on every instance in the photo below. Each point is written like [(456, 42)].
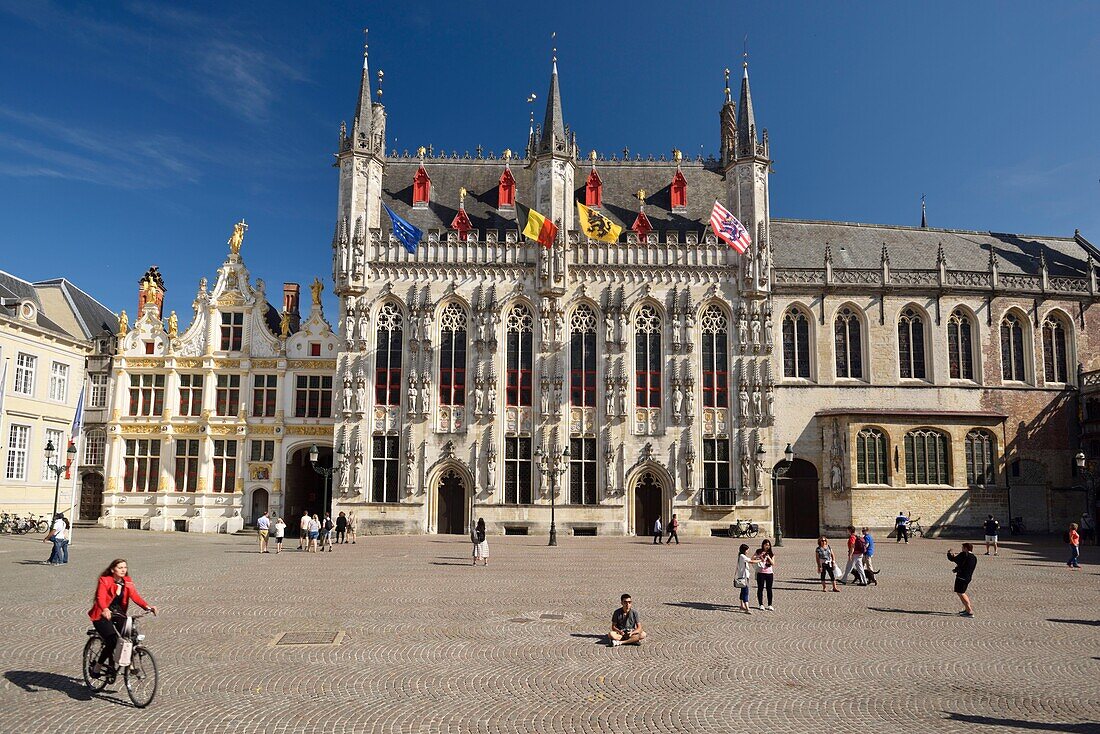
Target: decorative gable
[(422, 187), (593, 189), (678, 191), (506, 190), (641, 225), (461, 224)]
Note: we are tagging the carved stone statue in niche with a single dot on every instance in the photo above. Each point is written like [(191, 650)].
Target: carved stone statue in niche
[(491, 469), (361, 393), (743, 400), (348, 398), (425, 392), (677, 400), (544, 319), (746, 470), (349, 327), (742, 327), (479, 399), (757, 403), (609, 398), (410, 467), (609, 467), (412, 392), (492, 397), (755, 327), (769, 336), (769, 397), (609, 328), (544, 396), (690, 400)]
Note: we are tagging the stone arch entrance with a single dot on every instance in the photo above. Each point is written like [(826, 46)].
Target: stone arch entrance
[(650, 499), (91, 496), (259, 503), (451, 503), (799, 505), (304, 488)]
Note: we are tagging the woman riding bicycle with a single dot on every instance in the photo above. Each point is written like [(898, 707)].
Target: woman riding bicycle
[(108, 613)]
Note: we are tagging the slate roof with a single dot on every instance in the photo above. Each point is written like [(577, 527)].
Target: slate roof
[(13, 290), (92, 316)]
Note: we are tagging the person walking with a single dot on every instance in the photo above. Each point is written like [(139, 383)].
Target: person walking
[(351, 529), (856, 547), (658, 531), (965, 563), (326, 532), (765, 574), (280, 532), (313, 529), (481, 543), (263, 529), (59, 536), (992, 528), (303, 531), (1074, 547), (826, 564), (341, 528), (673, 528), (741, 581), (901, 526), (868, 554)]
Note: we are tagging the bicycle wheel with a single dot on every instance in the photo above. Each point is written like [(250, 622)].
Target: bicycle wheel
[(141, 677), (754, 533), (92, 650)]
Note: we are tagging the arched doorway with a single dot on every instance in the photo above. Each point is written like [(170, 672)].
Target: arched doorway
[(91, 496), (305, 488), (259, 503), (648, 501), (798, 501), (451, 504)]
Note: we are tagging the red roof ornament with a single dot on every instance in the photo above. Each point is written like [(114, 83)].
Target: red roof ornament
[(422, 184), (678, 190), (461, 223), (641, 225), (506, 189), (593, 187)]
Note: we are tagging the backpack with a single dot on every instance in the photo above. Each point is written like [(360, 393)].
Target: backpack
[(860, 546), (328, 523)]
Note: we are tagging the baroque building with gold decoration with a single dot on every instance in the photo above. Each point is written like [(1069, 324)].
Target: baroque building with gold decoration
[(211, 425), (908, 368)]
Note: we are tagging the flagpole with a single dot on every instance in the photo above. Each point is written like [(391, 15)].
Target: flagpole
[(72, 490)]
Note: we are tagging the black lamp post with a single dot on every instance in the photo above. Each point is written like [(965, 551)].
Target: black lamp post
[(57, 471), (1089, 476), (327, 472), (778, 472), (551, 465)]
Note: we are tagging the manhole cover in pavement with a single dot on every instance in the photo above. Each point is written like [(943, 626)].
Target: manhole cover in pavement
[(323, 637), (551, 616)]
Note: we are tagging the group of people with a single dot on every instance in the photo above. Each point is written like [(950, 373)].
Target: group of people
[(314, 533), (673, 531), (59, 536)]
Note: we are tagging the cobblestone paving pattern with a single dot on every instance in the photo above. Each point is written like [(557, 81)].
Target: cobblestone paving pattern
[(432, 644)]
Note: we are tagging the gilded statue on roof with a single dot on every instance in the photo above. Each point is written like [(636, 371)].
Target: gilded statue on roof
[(237, 238)]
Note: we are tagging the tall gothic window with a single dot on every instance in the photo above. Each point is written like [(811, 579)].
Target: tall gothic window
[(796, 344), (911, 345), (517, 470), (715, 359), (520, 336), (452, 356), (871, 456), (980, 468), (582, 357), (848, 342), (384, 465), (647, 358), (1054, 350), (960, 346), (717, 487), (1012, 349), (926, 457), (387, 356), (582, 471)]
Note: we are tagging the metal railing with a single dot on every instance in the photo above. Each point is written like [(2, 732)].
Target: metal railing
[(718, 496)]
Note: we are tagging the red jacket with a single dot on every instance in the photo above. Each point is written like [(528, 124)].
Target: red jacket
[(105, 594)]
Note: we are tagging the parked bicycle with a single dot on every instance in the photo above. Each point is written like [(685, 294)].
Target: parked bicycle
[(16, 525), (915, 528), (139, 673), (744, 529)]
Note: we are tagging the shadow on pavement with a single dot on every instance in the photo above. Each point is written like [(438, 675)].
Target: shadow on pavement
[(34, 681), (923, 612), (1086, 622), (598, 639), (1024, 724), (703, 606)]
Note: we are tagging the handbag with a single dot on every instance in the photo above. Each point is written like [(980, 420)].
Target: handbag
[(741, 583)]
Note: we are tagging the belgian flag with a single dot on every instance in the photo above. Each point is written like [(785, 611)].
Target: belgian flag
[(538, 227)]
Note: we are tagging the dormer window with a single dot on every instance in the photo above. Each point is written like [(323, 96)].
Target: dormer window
[(593, 190), (506, 190), (422, 188), (678, 191)]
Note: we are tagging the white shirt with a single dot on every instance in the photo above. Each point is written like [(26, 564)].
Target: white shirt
[(280, 529), (743, 563), (59, 530), (314, 526), (657, 526), (304, 522)]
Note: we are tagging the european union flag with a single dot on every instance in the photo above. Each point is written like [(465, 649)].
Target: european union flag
[(407, 234)]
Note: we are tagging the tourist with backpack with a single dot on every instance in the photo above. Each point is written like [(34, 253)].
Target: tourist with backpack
[(326, 532), (856, 548), (673, 528), (1074, 539)]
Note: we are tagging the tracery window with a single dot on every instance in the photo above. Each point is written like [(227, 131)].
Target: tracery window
[(926, 457), (980, 456), (387, 355), (518, 472), (582, 357), (582, 471), (911, 345), (1054, 350), (848, 342), (715, 329), (717, 486), (385, 462), (520, 343), (960, 346), (796, 344), (452, 355), (871, 457), (1013, 366), (647, 358)]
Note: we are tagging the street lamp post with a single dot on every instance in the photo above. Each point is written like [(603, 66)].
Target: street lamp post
[(1089, 476), (57, 471), (326, 471), (778, 472), (551, 465)]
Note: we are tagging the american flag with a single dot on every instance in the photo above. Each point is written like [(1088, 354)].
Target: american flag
[(729, 229)]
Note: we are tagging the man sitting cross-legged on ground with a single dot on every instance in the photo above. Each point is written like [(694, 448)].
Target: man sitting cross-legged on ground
[(625, 627)]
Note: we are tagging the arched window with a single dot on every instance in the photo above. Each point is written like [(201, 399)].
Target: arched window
[(960, 347), (520, 328), (849, 344), (452, 355), (1012, 349), (980, 467), (647, 358), (387, 356), (911, 345), (871, 457), (796, 344), (926, 457), (715, 358), (582, 357), (1054, 350)]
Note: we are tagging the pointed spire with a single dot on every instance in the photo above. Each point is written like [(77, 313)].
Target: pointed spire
[(729, 98), (553, 127), (923, 214), (746, 122), (361, 126)]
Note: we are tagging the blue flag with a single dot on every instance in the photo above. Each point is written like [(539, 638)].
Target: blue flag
[(407, 234)]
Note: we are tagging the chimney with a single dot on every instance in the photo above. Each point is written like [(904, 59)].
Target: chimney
[(291, 293)]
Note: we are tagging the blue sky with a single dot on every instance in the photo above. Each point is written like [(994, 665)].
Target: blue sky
[(136, 133)]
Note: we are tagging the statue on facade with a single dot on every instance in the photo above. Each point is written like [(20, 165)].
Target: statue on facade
[(676, 326), (349, 327), (544, 396), (609, 397), (284, 324), (757, 400), (769, 395), (746, 469), (544, 319), (425, 392), (411, 393), (173, 325), (361, 394), (742, 327), (315, 289), (357, 259), (754, 327), (364, 324), (609, 328), (237, 238), (609, 466), (123, 323), (491, 469), (348, 396), (357, 473), (690, 399), (479, 399), (743, 400), (769, 336), (677, 400)]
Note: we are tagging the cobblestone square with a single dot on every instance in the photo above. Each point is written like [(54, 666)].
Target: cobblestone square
[(402, 634)]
